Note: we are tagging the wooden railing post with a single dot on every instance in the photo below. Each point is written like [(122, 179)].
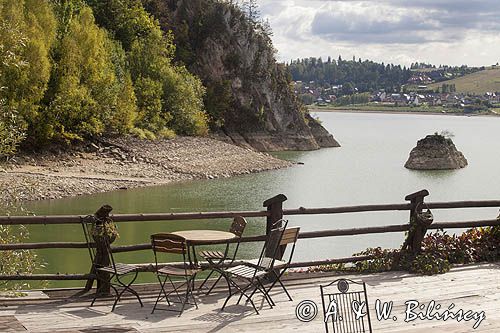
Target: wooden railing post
[(274, 206), (102, 256), (418, 226)]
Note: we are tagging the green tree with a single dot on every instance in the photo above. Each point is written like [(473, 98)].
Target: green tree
[(168, 96), (87, 91), (348, 88), (12, 45), (24, 86)]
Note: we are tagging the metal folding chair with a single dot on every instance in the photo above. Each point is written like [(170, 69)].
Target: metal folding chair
[(338, 298), (216, 258), (114, 270), (279, 267), (251, 275), (173, 244)]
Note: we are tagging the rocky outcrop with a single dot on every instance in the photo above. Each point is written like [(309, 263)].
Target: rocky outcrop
[(435, 152), (249, 97)]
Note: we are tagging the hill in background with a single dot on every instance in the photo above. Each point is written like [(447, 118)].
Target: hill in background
[(480, 82)]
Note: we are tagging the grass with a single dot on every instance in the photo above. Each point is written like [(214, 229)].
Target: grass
[(487, 80)]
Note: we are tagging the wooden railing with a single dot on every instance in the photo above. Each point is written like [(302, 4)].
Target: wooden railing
[(274, 213)]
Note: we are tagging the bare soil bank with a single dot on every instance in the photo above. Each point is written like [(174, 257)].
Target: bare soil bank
[(126, 163)]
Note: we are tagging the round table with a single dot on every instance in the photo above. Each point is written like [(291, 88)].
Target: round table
[(205, 237)]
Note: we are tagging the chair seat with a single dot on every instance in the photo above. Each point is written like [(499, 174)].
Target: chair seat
[(120, 269), (266, 263), (171, 270), (212, 254), (245, 271)]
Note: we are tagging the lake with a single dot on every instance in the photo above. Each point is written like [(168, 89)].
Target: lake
[(367, 169)]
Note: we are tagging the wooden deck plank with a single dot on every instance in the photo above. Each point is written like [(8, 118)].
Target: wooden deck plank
[(475, 288)]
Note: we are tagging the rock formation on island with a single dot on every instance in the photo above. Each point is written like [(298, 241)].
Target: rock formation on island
[(435, 152), (249, 97)]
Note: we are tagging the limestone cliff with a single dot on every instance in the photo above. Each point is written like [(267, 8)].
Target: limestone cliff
[(435, 152), (249, 97)]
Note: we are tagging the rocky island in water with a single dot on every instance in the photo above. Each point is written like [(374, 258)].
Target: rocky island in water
[(435, 152)]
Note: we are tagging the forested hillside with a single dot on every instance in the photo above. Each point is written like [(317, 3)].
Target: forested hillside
[(71, 70), (364, 75), (67, 73)]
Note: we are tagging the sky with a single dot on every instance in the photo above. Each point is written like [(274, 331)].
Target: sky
[(452, 32)]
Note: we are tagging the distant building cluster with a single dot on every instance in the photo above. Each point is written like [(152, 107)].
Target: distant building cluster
[(446, 96), (311, 93), (435, 99)]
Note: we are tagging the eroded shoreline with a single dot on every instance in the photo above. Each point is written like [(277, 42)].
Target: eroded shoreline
[(126, 163)]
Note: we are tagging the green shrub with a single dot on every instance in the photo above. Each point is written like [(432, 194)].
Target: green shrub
[(166, 133), (142, 133), (428, 264), (16, 261), (383, 260), (439, 252)]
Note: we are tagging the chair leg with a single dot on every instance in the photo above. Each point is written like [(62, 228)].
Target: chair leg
[(262, 289), (174, 289), (97, 290), (192, 290), (229, 290), (206, 279), (126, 287), (249, 299), (186, 296), (162, 290), (285, 290), (242, 291), (213, 286), (278, 279), (117, 298)]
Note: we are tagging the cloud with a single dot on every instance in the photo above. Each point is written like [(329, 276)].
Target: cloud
[(403, 31), (373, 24)]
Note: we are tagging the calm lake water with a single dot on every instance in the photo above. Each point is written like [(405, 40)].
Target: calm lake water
[(367, 169)]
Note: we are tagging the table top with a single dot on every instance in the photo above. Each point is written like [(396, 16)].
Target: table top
[(205, 236)]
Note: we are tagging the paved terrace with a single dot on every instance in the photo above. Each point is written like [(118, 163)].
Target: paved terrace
[(475, 287)]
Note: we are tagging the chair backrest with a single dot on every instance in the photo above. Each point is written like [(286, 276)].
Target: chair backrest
[(337, 298), (88, 223), (290, 236), (270, 249), (238, 226), (170, 243)]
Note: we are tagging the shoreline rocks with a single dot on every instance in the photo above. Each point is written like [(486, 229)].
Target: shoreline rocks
[(120, 163), (435, 152)]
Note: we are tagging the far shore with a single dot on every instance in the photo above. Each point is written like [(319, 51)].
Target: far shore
[(430, 113)]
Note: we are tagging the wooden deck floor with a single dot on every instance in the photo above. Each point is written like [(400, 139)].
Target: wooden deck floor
[(475, 288)]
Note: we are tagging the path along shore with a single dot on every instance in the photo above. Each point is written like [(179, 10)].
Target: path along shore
[(126, 163)]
